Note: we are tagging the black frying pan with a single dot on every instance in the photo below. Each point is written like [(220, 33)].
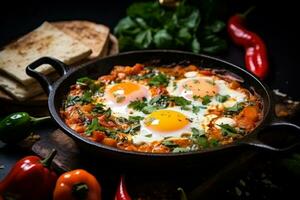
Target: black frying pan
[(57, 91)]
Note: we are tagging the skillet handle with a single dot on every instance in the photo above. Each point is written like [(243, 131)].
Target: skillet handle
[(257, 142), (45, 82)]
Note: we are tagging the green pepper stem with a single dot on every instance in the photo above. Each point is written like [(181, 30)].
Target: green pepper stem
[(246, 13), (80, 190), (39, 119), (48, 160), (182, 194)]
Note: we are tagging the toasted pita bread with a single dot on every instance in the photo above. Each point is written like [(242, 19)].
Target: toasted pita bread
[(46, 40), (114, 45), (94, 36), (17, 90)]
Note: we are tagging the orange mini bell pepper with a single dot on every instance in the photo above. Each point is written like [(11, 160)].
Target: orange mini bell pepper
[(77, 184)]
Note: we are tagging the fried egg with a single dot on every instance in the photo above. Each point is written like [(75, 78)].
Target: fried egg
[(166, 123), (196, 86), (119, 95)]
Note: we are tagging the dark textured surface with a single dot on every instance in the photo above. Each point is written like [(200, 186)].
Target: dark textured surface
[(276, 22)]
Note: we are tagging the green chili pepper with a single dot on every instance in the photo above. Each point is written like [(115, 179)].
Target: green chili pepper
[(17, 126)]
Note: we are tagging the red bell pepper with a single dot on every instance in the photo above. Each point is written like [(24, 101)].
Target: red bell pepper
[(30, 178), (77, 184)]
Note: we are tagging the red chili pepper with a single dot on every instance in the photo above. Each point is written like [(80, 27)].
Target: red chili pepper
[(256, 60), (30, 178), (122, 193)]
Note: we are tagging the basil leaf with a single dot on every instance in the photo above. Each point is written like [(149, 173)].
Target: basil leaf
[(143, 39), (162, 39)]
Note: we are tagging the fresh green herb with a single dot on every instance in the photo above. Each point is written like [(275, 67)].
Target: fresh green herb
[(148, 135), (98, 109), (196, 109), (195, 97), (149, 25), (160, 101), (71, 101), (107, 113), (94, 126), (227, 130), (197, 132), (202, 141), (169, 144), (234, 109), (222, 98), (84, 81), (206, 100), (149, 109), (180, 101), (159, 80), (90, 83), (133, 128), (214, 142), (135, 119), (138, 104), (180, 150), (86, 97)]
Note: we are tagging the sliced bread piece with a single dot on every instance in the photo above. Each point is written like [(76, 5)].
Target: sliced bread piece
[(17, 90), (95, 36), (46, 40)]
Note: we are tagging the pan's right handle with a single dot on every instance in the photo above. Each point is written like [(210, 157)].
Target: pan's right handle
[(45, 82)]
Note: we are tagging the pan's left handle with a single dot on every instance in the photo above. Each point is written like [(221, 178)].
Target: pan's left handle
[(257, 142), (45, 82)]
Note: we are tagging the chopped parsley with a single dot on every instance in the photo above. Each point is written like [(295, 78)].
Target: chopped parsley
[(94, 126), (159, 80), (196, 109), (227, 130), (234, 109), (206, 100), (169, 144), (197, 132), (138, 104), (71, 101), (222, 98), (180, 101)]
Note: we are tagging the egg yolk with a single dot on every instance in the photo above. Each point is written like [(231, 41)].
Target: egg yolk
[(200, 87), (166, 121), (120, 91)]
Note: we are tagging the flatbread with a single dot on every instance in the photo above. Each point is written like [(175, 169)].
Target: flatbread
[(19, 91), (46, 40), (114, 45), (94, 36)]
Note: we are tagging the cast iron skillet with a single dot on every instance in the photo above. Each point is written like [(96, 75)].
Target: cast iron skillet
[(58, 89)]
